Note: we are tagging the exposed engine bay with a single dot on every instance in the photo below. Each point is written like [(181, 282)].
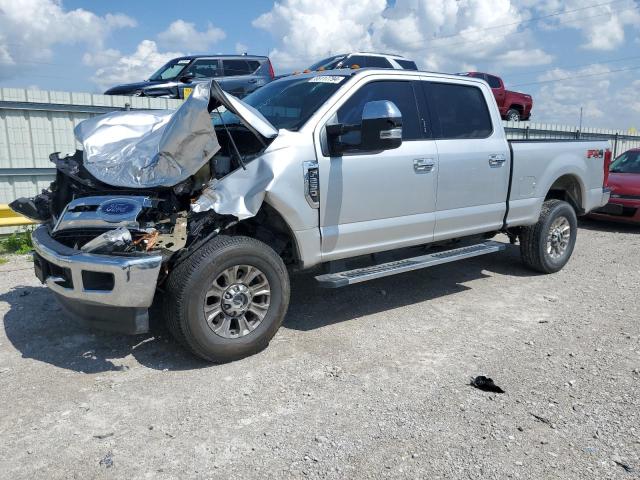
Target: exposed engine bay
[(101, 201)]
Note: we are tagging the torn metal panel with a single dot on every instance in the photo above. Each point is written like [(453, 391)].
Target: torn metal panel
[(241, 193), (142, 149)]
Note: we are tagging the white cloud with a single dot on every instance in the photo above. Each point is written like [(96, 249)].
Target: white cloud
[(524, 58), (566, 91), (241, 48), (30, 28), (602, 25), (438, 34), (101, 58), (136, 67), (184, 35), (307, 30)]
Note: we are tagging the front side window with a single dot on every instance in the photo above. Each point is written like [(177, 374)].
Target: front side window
[(233, 68), (399, 92), (460, 111), (327, 63), (170, 70), (353, 61), (628, 162), (206, 68)]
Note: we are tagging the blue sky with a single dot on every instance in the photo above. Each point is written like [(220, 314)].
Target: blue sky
[(562, 52)]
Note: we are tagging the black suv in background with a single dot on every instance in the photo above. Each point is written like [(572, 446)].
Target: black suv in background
[(236, 74)]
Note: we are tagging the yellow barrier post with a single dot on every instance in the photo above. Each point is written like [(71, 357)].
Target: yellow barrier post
[(9, 218)]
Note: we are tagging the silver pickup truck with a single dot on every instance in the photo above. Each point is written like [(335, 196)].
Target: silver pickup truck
[(210, 208)]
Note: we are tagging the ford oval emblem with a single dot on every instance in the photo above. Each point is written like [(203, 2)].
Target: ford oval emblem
[(118, 209)]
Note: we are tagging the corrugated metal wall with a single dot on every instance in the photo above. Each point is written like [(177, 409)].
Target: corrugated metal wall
[(34, 124), (620, 141)]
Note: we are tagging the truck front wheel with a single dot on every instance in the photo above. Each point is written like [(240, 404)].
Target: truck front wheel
[(547, 245), (228, 299)]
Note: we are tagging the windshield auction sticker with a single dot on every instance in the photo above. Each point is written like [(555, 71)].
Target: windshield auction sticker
[(326, 79)]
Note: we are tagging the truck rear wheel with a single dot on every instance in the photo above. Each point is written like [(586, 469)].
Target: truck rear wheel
[(547, 245), (513, 115), (228, 299)]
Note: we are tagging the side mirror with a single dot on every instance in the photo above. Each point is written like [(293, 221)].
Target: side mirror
[(381, 126), (187, 77), (380, 129)]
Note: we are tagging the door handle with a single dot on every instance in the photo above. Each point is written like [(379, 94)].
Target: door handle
[(496, 160), (423, 165)]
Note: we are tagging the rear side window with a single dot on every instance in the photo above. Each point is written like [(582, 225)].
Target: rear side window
[(459, 110), (399, 92), (236, 67), (378, 62), (253, 65), (494, 82), (206, 68), (407, 64)]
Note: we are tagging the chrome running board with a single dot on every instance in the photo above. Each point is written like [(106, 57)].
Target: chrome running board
[(349, 277)]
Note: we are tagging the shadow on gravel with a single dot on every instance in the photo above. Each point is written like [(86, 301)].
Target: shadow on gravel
[(607, 226), (312, 307), (40, 329)]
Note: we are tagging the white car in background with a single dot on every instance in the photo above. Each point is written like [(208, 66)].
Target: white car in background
[(364, 60)]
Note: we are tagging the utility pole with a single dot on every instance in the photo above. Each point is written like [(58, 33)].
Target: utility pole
[(580, 127)]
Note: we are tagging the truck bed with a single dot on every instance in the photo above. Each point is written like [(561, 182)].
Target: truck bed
[(539, 165)]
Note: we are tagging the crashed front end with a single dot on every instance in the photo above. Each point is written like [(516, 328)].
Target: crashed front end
[(135, 202)]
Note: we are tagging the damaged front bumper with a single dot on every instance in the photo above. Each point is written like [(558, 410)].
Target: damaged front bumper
[(110, 292)]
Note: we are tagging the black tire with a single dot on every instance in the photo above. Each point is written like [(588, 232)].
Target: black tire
[(186, 294), (513, 115), (534, 246)]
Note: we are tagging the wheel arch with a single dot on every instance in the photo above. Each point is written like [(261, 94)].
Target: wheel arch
[(569, 188), (270, 227)]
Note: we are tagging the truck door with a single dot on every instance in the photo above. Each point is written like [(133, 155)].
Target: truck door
[(473, 170), (377, 200)]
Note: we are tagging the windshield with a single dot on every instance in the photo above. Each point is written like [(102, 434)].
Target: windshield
[(628, 162), (170, 70), (327, 63), (288, 103)]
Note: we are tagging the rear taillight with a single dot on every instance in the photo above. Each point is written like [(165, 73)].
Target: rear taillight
[(272, 74), (607, 164)]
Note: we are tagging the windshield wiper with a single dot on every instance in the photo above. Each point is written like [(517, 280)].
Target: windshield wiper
[(233, 142)]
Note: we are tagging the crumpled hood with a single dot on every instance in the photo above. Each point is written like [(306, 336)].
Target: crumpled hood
[(149, 148), (153, 148)]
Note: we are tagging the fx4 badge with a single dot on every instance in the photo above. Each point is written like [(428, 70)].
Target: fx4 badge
[(595, 153)]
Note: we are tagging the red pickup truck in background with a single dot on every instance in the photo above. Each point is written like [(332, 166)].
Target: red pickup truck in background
[(513, 106)]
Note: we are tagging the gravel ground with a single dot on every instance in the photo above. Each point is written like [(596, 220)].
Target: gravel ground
[(369, 381)]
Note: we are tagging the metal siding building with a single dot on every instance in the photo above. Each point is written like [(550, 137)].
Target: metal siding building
[(34, 124)]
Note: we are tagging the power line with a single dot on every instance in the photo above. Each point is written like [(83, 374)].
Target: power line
[(530, 20), (579, 65), (533, 19), (575, 77)]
